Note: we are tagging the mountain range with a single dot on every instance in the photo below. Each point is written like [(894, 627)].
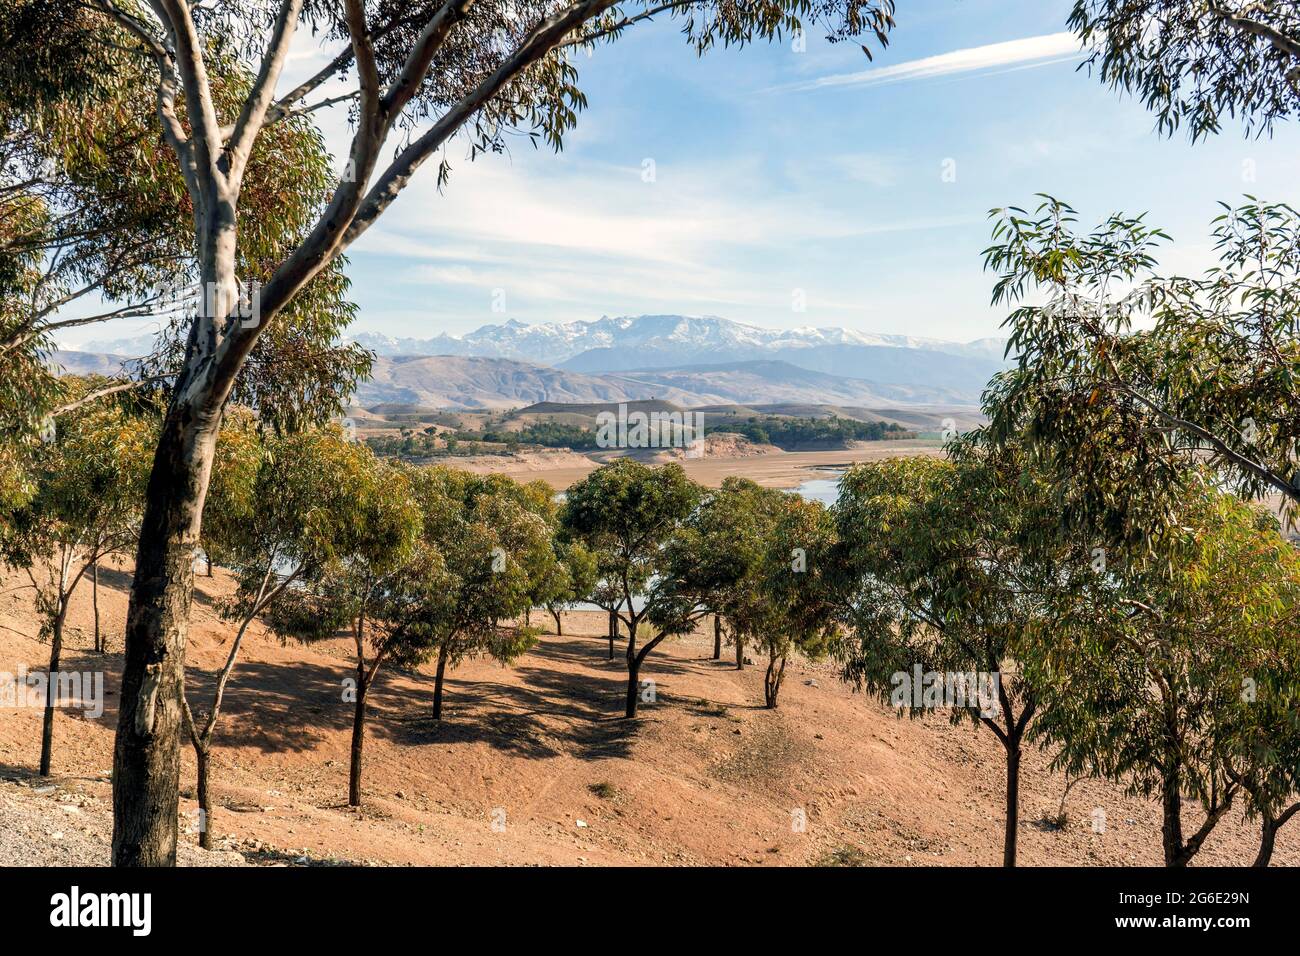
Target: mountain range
[(686, 359), (450, 381), (654, 341)]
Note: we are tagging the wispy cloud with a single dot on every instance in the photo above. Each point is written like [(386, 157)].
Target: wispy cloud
[(565, 238), (1032, 51)]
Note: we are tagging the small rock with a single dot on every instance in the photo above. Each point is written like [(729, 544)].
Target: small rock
[(581, 823)]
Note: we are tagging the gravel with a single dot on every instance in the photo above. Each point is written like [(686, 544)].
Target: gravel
[(44, 824)]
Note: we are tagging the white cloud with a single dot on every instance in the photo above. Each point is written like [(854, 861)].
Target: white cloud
[(564, 236), (1037, 51)]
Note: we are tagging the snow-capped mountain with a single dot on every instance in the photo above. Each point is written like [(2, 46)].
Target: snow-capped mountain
[(647, 348), (654, 341)]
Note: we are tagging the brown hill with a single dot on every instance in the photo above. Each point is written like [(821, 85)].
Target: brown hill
[(707, 776)]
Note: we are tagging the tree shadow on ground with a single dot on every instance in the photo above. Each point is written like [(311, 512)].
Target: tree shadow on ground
[(548, 713)]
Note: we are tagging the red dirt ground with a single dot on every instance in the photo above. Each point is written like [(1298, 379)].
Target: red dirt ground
[(705, 776)]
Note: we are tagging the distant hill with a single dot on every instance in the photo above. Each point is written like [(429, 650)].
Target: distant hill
[(92, 363), (459, 382), (450, 381), (415, 385), (691, 360), (773, 380)]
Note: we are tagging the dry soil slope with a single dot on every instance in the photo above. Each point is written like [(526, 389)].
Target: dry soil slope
[(705, 777)]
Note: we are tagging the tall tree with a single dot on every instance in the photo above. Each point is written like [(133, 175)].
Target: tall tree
[(625, 512), (711, 564), (947, 567), (365, 589), (424, 71), (89, 485), (281, 512), (797, 580), (90, 218), (760, 558), (494, 542), (573, 580), (1168, 673), (99, 222), (1128, 393)]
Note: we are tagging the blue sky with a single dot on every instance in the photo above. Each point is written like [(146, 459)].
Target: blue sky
[(781, 177)]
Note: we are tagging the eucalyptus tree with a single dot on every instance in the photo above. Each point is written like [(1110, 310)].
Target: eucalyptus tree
[(87, 221), (796, 581), (424, 72), (1195, 63), (625, 512), (99, 224), (1128, 379), (945, 568), (1171, 672), (494, 541), (573, 579), (86, 504), (365, 589), (1213, 375), (280, 513), (711, 564), (1263, 741), (606, 594), (761, 558), (547, 577)]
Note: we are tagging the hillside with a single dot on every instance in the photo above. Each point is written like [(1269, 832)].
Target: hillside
[(392, 418), (687, 359), (92, 363), (706, 777), (458, 382)]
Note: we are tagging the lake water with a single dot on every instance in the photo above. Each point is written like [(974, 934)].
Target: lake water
[(824, 490)]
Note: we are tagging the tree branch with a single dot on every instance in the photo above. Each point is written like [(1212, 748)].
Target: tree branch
[(253, 114), (198, 93), (1261, 472), (421, 56), (173, 131), (625, 23), (1281, 42), (102, 392), (537, 44)]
